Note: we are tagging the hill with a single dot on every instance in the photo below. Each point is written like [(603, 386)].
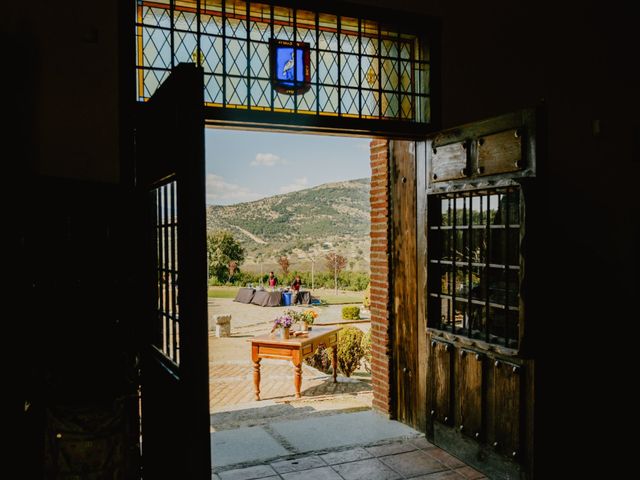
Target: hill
[(301, 225)]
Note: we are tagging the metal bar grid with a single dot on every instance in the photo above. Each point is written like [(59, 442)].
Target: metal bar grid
[(489, 317), (166, 226)]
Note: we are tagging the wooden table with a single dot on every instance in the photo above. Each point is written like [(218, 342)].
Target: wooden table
[(295, 349)]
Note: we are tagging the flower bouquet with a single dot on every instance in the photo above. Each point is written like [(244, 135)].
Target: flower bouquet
[(282, 324), (304, 318)]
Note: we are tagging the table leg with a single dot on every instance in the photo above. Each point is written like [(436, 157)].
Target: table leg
[(334, 362), (256, 371), (297, 365)]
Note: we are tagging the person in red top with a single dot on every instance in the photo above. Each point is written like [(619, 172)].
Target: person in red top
[(295, 286), (273, 281)]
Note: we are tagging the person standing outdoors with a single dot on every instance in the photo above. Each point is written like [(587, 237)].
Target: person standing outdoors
[(295, 287), (273, 281)]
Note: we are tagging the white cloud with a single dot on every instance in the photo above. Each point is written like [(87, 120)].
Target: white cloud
[(267, 160), (219, 191), (298, 184)]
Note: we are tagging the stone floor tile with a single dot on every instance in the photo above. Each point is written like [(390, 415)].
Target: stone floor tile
[(414, 463), (470, 473), (250, 473), (446, 475), (370, 469), (298, 464), (323, 473), (446, 458), (344, 456), (391, 449), (422, 443)]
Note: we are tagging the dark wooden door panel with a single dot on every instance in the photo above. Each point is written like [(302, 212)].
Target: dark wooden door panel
[(469, 393), (410, 402), (441, 382), (500, 152), (449, 162), (506, 402)]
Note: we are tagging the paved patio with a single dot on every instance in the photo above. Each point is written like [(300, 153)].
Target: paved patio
[(352, 446), (231, 370), (330, 433)]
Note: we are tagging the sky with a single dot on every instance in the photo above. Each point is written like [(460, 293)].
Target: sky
[(243, 166)]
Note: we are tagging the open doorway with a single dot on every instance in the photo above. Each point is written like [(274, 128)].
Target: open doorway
[(282, 210)]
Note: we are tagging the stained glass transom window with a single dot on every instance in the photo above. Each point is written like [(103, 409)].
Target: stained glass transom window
[(360, 68)]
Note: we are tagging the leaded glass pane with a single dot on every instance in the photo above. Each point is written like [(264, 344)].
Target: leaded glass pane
[(185, 20), (260, 93), (389, 105), (370, 103), (152, 79), (389, 74), (156, 17), (362, 69), (185, 47), (283, 23), (236, 57), (349, 101), (259, 60), (211, 17), (213, 89), (282, 101), (236, 93), (389, 47), (156, 48), (235, 28), (349, 35), (211, 48), (328, 68), (349, 70), (306, 27), (405, 76), (307, 101), (406, 107), (328, 99), (370, 73)]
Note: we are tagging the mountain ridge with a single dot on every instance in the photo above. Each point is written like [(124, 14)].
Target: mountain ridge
[(303, 225)]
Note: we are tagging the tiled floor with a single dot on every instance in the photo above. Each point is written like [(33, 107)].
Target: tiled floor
[(414, 458)]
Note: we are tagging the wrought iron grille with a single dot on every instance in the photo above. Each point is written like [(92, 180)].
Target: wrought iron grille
[(165, 202), (360, 68), (474, 264)]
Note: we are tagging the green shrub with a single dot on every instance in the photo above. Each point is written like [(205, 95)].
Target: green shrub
[(350, 350), (351, 313), (366, 348), (320, 359)]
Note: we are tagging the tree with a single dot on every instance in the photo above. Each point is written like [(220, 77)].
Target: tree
[(222, 250), (283, 261), (335, 263)]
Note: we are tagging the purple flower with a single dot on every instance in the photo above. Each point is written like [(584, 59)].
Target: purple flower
[(285, 321)]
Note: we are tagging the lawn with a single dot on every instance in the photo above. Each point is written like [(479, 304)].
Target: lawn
[(327, 295)]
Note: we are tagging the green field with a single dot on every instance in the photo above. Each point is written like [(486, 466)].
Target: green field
[(329, 296)]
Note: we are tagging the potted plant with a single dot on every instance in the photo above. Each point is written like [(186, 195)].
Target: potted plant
[(282, 325), (308, 317)]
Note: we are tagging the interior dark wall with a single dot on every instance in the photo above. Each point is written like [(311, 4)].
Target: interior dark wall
[(573, 60)]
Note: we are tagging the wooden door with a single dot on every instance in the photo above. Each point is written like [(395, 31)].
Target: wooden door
[(462, 289), (173, 317), (478, 189)]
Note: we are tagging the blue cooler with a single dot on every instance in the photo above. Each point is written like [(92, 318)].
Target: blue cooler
[(286, 298)]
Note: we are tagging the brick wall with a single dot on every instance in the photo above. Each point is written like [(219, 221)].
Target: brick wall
[(381, 348)]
